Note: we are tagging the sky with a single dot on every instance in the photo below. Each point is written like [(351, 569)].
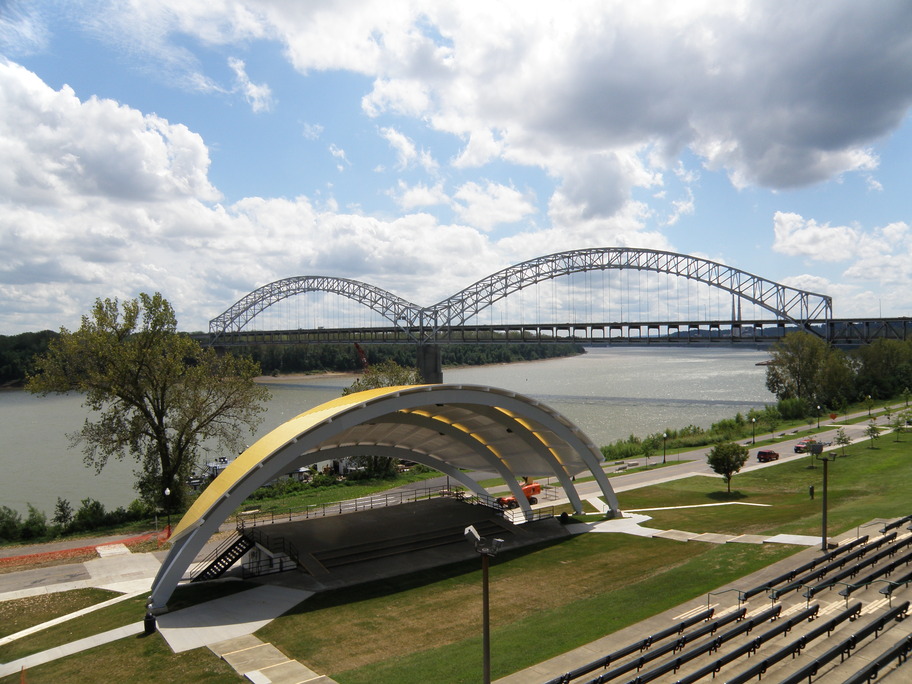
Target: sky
[(205, 148)]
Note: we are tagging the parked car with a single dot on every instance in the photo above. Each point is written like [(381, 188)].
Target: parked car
[(804, 445), (767, 455)]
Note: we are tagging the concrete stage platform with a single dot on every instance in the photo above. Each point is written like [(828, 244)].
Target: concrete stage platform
[(345, 550)]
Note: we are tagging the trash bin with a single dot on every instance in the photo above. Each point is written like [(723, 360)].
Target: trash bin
[(149, 624)]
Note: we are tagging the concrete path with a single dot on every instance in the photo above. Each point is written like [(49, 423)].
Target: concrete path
[(70, 649), (228, 617)]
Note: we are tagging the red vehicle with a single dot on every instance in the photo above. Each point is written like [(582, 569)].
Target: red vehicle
[(530, 490), (804, 445), (767, 455)]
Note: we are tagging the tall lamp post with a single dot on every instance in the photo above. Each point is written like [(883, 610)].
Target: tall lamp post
[(664, 442), (753, 430), (818, 417), (487, 549), (168, 507), (817, 450)]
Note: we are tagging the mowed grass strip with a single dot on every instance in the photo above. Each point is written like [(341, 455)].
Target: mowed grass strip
[(134, 660), (118, 615), (862, 485), (23, 613), (425, 627)]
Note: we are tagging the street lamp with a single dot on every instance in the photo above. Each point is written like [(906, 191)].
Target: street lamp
[(487, 549), (168, 507), (817, 450), (664, 440), (818, 417), (753, 430)]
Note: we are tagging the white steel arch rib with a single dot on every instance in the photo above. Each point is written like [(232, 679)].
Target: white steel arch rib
[(423, 323)]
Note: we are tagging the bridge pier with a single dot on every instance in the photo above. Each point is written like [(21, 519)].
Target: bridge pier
[(430, 366)]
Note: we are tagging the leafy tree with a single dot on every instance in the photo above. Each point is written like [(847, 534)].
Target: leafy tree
[(771, 417), (726, 459), (835, 382), (10, 524), (35, 524), (384, 374), (906, 395), (842, 439), (158, 395), (897, 423), (884, 367), (649, 446), (63, 513), (872, 432), (795, 364)]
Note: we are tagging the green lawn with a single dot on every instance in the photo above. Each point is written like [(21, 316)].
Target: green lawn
[(425, 627), (545, 601), (23, 613), (865, 484)]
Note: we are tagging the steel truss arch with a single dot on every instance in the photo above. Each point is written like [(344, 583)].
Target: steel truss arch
[(799, 307), (796, 306), (397, 310)]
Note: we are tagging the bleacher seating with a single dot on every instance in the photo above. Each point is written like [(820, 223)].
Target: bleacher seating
[(796, 646), (641, 645), (900, 651), (844, 648), (638, 663), (783, 626)]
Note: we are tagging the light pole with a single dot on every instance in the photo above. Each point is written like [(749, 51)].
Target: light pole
[(487, 549), (168, 508), (664, 441), (818, 417), (753, 430), (826, 458)]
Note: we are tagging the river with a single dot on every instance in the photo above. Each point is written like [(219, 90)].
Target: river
[(610, 393)]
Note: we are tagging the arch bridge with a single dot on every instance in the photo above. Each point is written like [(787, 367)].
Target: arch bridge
[(442, 321)]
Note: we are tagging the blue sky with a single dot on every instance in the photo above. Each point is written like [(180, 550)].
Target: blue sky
[(204, 148)]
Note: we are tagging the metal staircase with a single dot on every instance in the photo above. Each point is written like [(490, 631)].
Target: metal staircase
[(224, 559)]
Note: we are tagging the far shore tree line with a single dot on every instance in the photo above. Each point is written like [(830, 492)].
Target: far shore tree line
[(19, 353)]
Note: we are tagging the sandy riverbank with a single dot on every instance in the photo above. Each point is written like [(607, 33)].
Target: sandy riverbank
[(297, 377)]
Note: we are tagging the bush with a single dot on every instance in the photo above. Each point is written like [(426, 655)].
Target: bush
[(793, 409), (91, 514), (10, 524), (35, 525)]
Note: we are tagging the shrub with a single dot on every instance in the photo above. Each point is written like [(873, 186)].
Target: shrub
[(10, 524), (35, 524), (793, 409), (91, 514)]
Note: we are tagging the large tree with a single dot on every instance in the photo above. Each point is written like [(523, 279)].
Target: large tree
[(796, 363), (157, 395), (726, 459)]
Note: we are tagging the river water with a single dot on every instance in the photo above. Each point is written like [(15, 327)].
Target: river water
[(610, 393)]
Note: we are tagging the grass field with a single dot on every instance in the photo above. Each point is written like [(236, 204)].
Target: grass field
[(426, 626)]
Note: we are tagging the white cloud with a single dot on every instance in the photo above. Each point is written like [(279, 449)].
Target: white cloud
[(258, 96), (311, 131), (797, 236), (776, 103), (22, 29), (419, 195), (492, 204), (406, 152)]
